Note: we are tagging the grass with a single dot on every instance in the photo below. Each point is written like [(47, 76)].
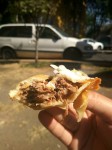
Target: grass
[(35, 65)]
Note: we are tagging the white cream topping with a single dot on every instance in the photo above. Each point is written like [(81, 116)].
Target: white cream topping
[(72, 75)]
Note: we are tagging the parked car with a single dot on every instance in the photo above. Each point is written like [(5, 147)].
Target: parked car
[(93, 43), (106, 40), (19, 40)]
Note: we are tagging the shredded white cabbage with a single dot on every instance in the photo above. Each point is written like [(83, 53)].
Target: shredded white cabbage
[(50, 85), (72, 75)]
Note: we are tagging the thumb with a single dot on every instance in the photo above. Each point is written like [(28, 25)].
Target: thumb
[(100, 105)]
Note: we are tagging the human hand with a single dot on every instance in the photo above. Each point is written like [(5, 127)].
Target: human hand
[(94, 132)]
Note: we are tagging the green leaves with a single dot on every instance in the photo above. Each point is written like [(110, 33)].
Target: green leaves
[(35, 8)]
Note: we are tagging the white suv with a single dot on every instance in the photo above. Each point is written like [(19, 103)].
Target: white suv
[(19, 40)]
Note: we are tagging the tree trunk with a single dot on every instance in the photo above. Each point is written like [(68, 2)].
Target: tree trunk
[(82, 18)]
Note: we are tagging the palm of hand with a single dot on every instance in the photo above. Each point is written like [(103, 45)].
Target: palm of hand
[(92, 134)]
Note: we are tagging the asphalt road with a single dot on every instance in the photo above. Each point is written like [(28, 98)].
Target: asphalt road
[(107, 57), (98, 58)]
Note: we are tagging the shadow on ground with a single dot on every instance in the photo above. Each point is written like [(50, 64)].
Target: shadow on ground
[(99, 63), (9, 61), (106, 77)]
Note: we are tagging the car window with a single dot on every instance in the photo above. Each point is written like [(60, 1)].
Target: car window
[(85, 41), (16, 31), (6, 32), (23, 31), (61, 31), (47, 33), (90, 40)]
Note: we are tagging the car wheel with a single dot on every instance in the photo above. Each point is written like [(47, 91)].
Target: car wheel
[(73, 54), (88, 48), (99, 48), (8, 53)]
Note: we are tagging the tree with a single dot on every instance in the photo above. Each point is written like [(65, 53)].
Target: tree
[(110, 8), (97, 14), (35, 11), (72, 15)]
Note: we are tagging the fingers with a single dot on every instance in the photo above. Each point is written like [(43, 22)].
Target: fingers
[(69, 121), (101, 106), (55, 127)]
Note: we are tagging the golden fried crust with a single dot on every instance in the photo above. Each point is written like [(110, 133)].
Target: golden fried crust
[(80, 103), (39, 77)]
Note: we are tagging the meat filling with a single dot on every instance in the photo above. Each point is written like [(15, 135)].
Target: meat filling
[(39, 92)]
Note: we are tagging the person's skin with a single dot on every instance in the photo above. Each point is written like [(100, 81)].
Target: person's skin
[(94, 132)]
